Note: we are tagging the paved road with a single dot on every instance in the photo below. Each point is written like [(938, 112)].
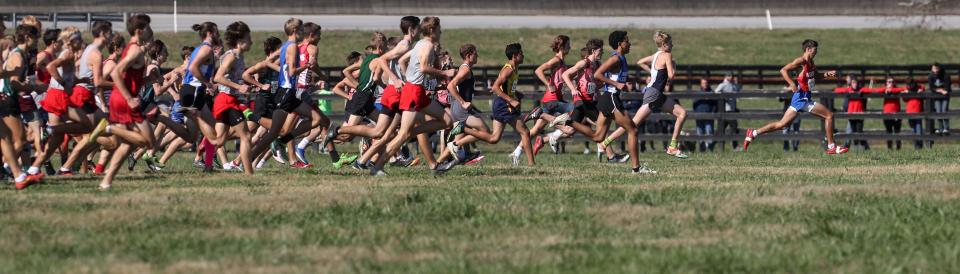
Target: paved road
[(164, 22)]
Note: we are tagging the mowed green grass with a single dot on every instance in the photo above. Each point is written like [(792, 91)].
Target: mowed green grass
[(757, 212), (692, 46)]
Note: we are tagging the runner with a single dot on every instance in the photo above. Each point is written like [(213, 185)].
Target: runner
[(801, 100)]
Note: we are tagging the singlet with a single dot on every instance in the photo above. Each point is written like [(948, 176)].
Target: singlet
[(395, 65), (587, 84), (206, 69), (5, 86), (806, 79), (66, 73), (658, 77), (556, 82), (620, 77), (234, 73), (84, 71), (366, 82), (466, 86), (132, 77), (269, 77), (305, 77), (510, 85), (284, 80), (41, 69), (414, 74)]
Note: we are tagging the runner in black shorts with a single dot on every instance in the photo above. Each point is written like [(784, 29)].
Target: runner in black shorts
[(613, 72)]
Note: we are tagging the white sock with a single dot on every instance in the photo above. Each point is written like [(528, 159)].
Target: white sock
[(20, 178), (831, 146), (303, 143), (64, 169), (518, 150), (555, 135), (33, 170)]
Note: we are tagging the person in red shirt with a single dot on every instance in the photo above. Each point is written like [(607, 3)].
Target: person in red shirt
[(855, 104), (914, 105), (891, 104)]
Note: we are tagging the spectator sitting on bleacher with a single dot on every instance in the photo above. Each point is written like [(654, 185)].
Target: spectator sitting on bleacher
[(705, 126), (856, 104), (914, 105)]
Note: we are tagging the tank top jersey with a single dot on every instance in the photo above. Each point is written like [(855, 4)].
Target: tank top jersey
[(83, 69), (206, 69), (556, 82), (620, 77), (395, 66), (510, 85), (283, 79), (806, 79), (66, 73), (305, 77), (234, 73), (41, 70), (586, 83), (5, 86), (658, 77), (132, 77), (414, 74), (366, 82), (466, 86)]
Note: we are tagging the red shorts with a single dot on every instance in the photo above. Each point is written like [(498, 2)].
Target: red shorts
[(81, 97), (55, 102), (120, 111), (222, 103), (413, 97), (390, 98)]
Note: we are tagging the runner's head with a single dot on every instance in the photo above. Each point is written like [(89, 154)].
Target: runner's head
[(31, 20), (26, 35), (378, 42), (157, 51), (139, 25), (431, 28), (810, 47), (935, 69), (237, 36), (208, 30), (561, 44), (51, 39), (410, 25), (3, 28), (102, 29), (71, 38), (115, 45), (353, 58), (185, 53), (890, 82), (469, 54), (663, 41), (311, 33), (271, 45), (596, 48), (392, 42), (293, 28), (619, 41), (514, 52)]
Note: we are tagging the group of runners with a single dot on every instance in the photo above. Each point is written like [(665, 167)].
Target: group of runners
[(398, 90)]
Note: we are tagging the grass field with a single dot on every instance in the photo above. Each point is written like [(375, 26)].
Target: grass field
[(693, 46), (757, 212)]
